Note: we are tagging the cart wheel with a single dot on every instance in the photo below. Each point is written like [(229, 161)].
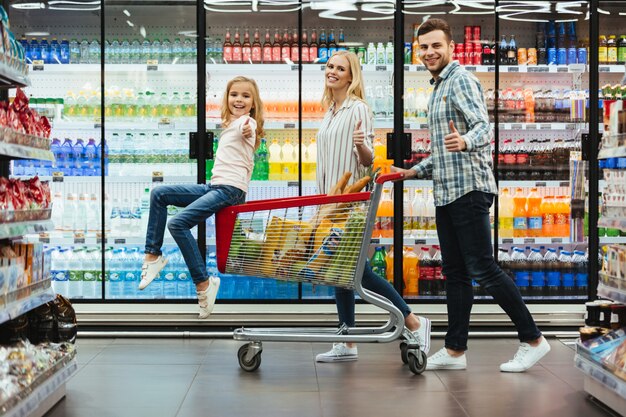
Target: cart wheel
[(417, 361), (403, 352), (251, 365)]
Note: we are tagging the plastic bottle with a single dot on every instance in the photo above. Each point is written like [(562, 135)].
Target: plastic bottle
[(58, 271), (553, 272), (535, 217), (522, 272), (547, 213), (74, 265), (80, 218), (407, 214), (429, 208), (184, 285), (538, 274), (89, 268), (168, 275), (561, 216), (135, 218), (74, 51), (427, 284), (567, 274), (520, 219), (69, 213), (389, 262), (582, 274), (115, 283), (506, 214), (504, 260), (310, 161), (275, 161), (93, 215), (385, 214), (410, 272), (378, 262), (418, 214)]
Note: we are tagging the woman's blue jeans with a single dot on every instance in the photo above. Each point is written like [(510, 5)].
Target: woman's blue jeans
[(200, 201)]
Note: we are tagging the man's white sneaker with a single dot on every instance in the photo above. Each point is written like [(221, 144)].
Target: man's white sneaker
[(442, 360), (206, 298), (150, 270), (423, 334), (339, 353), (526, 356)]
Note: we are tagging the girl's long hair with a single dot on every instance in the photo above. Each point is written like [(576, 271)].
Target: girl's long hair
[(257, 107)]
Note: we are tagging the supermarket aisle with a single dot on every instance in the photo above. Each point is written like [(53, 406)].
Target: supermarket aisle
[(201, 377)]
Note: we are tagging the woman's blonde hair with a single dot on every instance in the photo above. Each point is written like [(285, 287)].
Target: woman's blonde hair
[(356, 87), (256, 112)]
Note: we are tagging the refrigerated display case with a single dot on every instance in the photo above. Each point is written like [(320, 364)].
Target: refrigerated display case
[(143, 100)]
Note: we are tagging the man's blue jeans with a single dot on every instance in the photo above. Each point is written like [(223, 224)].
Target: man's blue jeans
[(373, 282), (467, 252), (200, 201)]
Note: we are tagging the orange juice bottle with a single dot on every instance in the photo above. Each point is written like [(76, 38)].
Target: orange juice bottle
[(535, 218), (505, 214), (520, 219), (386, 214), (275, 162), (389, 261), (561, 216), (410, 271), (380, 155), (547, 214)]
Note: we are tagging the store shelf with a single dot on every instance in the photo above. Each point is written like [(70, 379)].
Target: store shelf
[(16, 303), (503, 126), (612, 240), (550, 69), (610, 292), (612, 153), (24, 152), (12, 77), (607, 379), (46, 390), (615, 69), (16, 229), (386, 241), (612, 223), (522, 183), (538, 241), (90, 239)]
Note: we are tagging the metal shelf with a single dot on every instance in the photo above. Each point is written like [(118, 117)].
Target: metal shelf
[(533, 183), (612, 222), (12, 77), (612, 293), (550, 69), (21, 301), (607, 379), (17, 229), (16, 151)]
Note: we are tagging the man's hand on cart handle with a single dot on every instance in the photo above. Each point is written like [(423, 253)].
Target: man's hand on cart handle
[(407, 174), (394, 176)]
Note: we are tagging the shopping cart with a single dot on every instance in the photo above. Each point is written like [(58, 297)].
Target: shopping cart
[(318, 239)]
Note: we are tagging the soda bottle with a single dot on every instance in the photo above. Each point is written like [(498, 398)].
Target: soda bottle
[(313, 47), (322, 50), (440, 279), (503, 51), (385, 213), (520, 216), (538, 274), (504, 260), (285, 48), (567, 273), (506, 214), (380, 155), (295, 49), (561, 216), (582, 275), (410, 272), (522, 272), (276, 48), (304, 52), (427, 285), (289, 162), (511, 52), (257, 49), (236, 48), (535, 216), (389, 263), (553, 273), (621, 50), (246, 48), (267, 48), (603, 51), (611, 50), (407, 214), (378, 262)]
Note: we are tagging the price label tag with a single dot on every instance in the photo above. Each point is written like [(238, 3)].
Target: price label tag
[(420, 68), (38, 65), (375, 241), (507, 240), (97, 125), (557, 240), (564, 184), (570, 126), (99, 240), (295, 67), (323, 67), (44, 239), (538, 69), (292, 183), (545, 126), (381, 68), (153, 65), (600, 69), (120, 241), (79, 240), (422, 126), (165, 123), (471, 69), (531, 126), (420, 241), (562, 69), (541, 184), (407, 68), (513, 69), (516, 126), (57, 177), (529, 240), (157, 176), (491, 69), (290, 125)]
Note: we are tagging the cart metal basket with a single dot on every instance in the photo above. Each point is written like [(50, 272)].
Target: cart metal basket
[(319, 239)]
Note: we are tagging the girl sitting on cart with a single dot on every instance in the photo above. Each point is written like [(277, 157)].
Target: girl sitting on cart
[(242, 119)]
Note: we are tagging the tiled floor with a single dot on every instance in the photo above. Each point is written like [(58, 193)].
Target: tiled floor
[(201, 377)]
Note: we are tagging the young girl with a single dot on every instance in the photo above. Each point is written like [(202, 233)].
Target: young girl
[(242, 118), (344, 143)]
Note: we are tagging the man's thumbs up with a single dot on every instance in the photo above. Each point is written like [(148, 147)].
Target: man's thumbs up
[(453, 141), (452, 128)]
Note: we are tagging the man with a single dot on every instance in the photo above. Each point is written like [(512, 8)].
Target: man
[(464, 186)]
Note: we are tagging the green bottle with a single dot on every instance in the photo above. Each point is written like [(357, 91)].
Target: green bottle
[(378, 262)]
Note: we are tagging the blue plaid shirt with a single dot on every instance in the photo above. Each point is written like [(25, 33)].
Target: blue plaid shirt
[(458, 96)]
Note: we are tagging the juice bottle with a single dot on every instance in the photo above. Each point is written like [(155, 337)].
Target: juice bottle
[(310, 161), (520, 219), (603, 51), (275, 160), (389, 262), (547, 214), (429, 209), (535, 217), (290, 162), (380, 155), (505, 215), (407, 213), (410, 272), (385, 213), (417, 211), (561, 216)]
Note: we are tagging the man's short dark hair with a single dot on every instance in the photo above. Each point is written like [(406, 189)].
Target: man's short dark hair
[(435, 24)]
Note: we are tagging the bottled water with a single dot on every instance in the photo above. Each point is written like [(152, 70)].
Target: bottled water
[(146, 51), (44, 46), (93, 215), (74, 265), (116, 226), (125, 217), (91, 160), (177, 52), (108, 213), (80, 217), (115, 284), (78, 155), (168, 274), (57, 211), (125, 52), (130, 273), (114, 54), (94, 52), (145, 210), (69, 213), (55, 52), (188, 52), (166, 52), (135, 52), (108, 59), (184, 285), (135, 220), (155, 50), (59, 271), (90, 267)]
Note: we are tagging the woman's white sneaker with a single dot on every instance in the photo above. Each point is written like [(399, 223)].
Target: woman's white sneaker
[(423, 334), (442, 360), (526, 356), (150, 270), (339, 353), (206, 298)]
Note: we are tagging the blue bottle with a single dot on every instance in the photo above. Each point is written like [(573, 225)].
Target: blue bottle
[(78, 158), (35, 50), (90, 159), (55, 148), (561, 56), (55, 52), (64, 51), (26, 47), (65, 160), (44, 46), (552, 56)]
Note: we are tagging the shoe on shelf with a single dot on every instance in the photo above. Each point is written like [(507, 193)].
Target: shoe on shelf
[(442, 360), (423, 334), (150, 270), (206, 298), (526, 356), (339, 353)]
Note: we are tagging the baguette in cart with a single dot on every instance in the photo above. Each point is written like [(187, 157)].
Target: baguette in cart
[(321, 239)]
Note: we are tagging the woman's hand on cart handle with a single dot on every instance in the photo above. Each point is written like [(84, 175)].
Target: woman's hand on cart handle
[(400, 174), (394, 176)]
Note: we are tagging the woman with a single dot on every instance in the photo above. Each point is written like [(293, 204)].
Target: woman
[(344, 143)]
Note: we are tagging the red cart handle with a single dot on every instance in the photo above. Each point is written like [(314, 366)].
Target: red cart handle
[(394, 176)]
